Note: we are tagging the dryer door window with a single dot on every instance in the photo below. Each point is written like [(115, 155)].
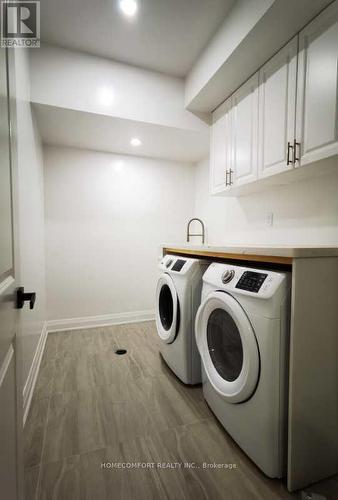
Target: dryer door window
[(166, 307), (167, 312), (225, 344), (228, 347)]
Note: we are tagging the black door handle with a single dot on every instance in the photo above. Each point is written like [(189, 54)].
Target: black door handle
[(22, 297)]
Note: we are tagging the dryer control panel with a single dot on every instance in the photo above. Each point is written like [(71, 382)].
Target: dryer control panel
[(251, 281), (180, 266), (171, 263)]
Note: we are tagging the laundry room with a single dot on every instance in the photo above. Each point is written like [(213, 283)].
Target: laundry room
[(169, 250)]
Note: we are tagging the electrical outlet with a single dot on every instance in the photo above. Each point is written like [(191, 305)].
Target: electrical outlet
[(269, 219)]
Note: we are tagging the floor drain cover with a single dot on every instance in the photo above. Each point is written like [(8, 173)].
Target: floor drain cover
[(120, 351)]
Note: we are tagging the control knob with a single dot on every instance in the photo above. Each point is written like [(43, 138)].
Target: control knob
[(227, 276)]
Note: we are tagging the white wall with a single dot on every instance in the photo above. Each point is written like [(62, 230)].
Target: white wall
[(241, 19), (106, 216), (31, 212), (251, 33), (73, 80), (305, 213)]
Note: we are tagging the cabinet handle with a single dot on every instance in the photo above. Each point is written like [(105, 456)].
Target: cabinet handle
[(226, 178), (230, 177), (288, 161), (295, 144)]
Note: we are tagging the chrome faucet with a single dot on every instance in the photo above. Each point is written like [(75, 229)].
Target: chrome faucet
[(196, 234)]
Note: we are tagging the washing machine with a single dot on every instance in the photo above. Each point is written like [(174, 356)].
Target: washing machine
[(242, 334), (178, 295)]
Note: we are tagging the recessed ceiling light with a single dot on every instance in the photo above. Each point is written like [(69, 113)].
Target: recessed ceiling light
[(135, 141), (128, 7)]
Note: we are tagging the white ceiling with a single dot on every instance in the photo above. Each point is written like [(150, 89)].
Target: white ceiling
[(65, 127), (165, 35)]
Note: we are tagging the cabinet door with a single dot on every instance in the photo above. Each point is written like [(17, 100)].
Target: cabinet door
[(317, 115), (277, 111), (244, 124), (220, 149)]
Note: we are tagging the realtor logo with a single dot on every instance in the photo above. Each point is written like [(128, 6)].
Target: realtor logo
[(20, 24)]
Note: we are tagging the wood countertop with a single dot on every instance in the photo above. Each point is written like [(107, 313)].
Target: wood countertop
[(270, 254)]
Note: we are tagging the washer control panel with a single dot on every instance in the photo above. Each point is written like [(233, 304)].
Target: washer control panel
[(251, 281), (260, 283)]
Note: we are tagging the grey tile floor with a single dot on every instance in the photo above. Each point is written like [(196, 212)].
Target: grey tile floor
[(92, 407)]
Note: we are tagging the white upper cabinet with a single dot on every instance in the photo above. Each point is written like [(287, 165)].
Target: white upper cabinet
[(277, 111), (220, 149), (317, 96), (284, 116), (244, 124)]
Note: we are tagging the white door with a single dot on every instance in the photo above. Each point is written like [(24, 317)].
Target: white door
[(317, 95), (220, 165), (10, 383), (228, 347), (244, 124), (277, 111), (167, 309)]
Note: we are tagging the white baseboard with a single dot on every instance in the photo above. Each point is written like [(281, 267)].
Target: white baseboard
[(58, 325), (33, 373)]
